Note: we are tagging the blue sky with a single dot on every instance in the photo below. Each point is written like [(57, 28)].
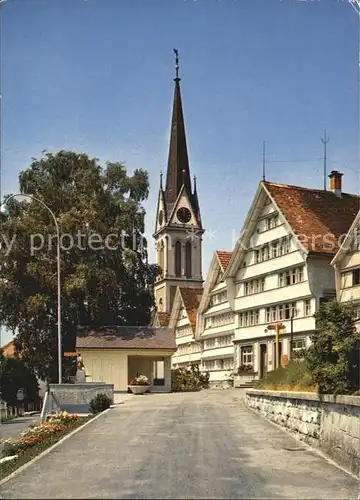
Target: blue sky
[(97, 76)]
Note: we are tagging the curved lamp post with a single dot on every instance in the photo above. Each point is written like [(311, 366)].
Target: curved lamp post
[(58, 272)]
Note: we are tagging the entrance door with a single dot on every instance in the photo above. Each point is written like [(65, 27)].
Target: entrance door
[(263, 361)]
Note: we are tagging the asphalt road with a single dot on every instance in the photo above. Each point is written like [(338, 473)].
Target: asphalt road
[(16, 426), (194, 445)]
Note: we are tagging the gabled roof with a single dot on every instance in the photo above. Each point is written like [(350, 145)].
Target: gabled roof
[(126, 337), (317, 218), (314, 213), (224, 258), (191, 299), (346, 244)]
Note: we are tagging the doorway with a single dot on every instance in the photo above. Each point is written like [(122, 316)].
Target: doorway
[(158, 373), (263, 360)]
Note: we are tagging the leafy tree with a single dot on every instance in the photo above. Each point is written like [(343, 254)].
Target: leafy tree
[(332, 347), (104, 282), (15, 375)]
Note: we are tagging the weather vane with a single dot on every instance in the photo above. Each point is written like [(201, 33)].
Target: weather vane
[(176, 52)]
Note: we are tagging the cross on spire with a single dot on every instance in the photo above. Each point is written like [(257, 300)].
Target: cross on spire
[(176, 52)]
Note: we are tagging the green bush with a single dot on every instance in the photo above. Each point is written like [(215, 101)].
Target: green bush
[(100, 403), (329, 357), (295, 375), (189, 379)]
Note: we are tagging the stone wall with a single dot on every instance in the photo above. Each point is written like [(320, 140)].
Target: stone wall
[(328, 423), (76, 397)]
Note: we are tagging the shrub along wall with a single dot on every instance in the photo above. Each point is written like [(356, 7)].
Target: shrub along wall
[(329, 423)]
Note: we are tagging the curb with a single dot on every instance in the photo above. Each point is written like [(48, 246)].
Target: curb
[(48, 450)]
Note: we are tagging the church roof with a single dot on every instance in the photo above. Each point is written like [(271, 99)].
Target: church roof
[(178, 169), (191, 298), (314, 214), (126, 337), (224, 257)]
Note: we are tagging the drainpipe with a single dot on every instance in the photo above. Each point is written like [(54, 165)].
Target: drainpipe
[(291, 335)]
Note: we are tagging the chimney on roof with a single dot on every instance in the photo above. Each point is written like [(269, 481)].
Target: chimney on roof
[(335, 182)]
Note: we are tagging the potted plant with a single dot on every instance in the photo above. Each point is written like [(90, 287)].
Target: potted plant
[(139, 385)]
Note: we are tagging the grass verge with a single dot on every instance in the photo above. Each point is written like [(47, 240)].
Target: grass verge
[(28, 454), (294, 377)]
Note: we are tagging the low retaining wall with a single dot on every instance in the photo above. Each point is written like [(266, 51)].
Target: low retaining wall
[(75, 398), (328, 423)]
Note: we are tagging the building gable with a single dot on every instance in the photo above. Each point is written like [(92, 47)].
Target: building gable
[(185, 308), (351, 242)]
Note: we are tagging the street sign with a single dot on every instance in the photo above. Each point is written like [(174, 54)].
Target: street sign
[(70, 354), (280, 326)]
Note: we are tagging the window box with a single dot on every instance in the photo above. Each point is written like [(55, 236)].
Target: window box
[(246, 370)]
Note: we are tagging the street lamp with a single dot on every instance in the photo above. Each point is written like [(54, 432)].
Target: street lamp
[(58, 272)]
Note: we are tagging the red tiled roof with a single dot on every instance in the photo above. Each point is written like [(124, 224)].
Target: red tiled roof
[(224, 258), (191, 298), (314, 213), (127, 337), (162, 318)]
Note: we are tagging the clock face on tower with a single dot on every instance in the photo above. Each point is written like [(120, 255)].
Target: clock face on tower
[(184, 215), (161, 217)]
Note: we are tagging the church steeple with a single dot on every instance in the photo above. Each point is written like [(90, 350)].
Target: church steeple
[(178, 229), (178, 170)]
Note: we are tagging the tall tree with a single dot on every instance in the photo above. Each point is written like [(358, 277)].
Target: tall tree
[(105, 277)]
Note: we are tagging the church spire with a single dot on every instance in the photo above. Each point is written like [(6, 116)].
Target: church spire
[(178, 170)]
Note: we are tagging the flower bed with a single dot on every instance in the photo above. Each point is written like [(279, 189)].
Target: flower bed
[(36, 439)]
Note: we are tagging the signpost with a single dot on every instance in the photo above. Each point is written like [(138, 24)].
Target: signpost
[(279, 328)]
